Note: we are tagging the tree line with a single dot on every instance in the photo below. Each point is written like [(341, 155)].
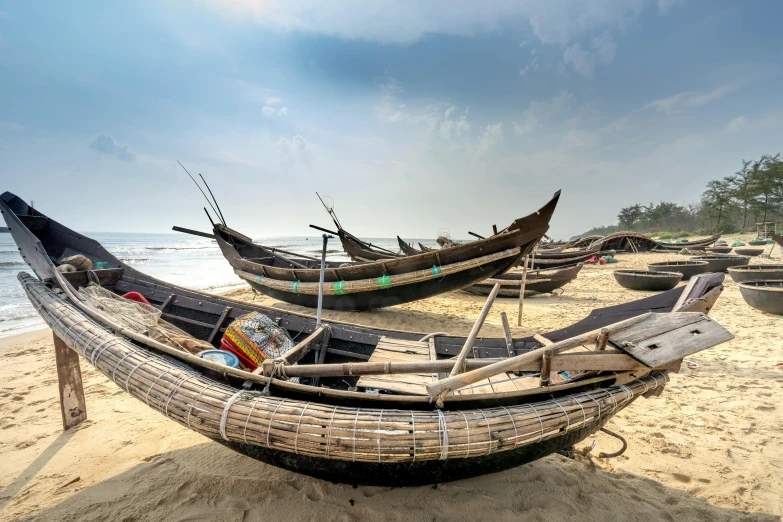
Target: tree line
[(753, 194)]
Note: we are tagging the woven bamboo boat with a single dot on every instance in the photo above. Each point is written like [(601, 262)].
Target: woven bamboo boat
[(688, 269), (741, 274), (334, 431), (721, 263), (382, 283), (537, 282), (647, 280), (766, 296), (750, 252)]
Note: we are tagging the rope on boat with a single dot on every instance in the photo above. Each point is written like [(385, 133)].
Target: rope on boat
[(618, 452), (443, 432), (224, 416)]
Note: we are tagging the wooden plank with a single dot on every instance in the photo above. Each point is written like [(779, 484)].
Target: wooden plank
[(507, 334), (656, 324), (543, 340), (672, 345), (219, 324), (73, 407)]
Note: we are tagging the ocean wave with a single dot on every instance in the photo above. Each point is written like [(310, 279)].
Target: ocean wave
[(161, 248), (137, 260), (11, 263)]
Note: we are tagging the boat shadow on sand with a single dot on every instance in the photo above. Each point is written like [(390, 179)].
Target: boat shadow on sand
[(211, 482)]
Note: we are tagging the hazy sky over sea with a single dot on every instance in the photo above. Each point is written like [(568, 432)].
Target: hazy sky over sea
[(413, 116)]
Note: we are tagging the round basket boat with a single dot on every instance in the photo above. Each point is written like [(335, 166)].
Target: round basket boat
[(720, 249), (721, 263), (753, 252), (688, 269), (651, 281), (766, 296), (757, 242), (756, 273)]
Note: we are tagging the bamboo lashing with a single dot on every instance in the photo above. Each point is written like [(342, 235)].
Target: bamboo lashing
[(440, 389), (463, 354), (522, 291), (369, 435)]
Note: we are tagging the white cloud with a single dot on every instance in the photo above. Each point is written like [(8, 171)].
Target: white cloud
[(106, 144), (736, 124), (270, 111), (664, 6), (540, 111), (685, 100), (456, 127), (391, 21), (584, 61), (273, 100), (529, 68), (574, 139)]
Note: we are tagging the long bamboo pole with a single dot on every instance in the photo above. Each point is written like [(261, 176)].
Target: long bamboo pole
[(475, 331), (522, 291), (439, 390)]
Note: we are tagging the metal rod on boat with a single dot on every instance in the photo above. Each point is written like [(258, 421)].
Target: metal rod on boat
[(321, 282)]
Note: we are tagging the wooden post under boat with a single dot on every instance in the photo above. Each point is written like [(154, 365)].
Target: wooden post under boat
[(69, 376), (522, 291)]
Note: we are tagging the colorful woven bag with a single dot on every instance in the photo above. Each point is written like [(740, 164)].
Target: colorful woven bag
[(254, 337)]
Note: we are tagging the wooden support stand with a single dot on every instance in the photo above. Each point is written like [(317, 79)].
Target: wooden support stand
[(69, 376)]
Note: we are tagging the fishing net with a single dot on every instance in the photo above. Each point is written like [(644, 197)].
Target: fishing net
[(141, 318)]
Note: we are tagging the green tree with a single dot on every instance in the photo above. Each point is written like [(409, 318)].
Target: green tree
[(628, 216)]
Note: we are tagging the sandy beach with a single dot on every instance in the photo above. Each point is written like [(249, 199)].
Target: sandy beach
[(710, 448)]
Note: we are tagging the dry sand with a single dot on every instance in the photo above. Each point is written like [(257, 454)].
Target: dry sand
[(710, 448)]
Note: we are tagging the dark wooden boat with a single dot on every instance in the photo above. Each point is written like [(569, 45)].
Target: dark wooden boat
[(721, 263), (719, 249), (551, 260), (766, 296), (426, 249), (407, 249), (332, 431), (688, 269), (691, 245), (637, 242), (777, 239), (740, 274), (752, 252), (647, 280), (382, 283), (538, 282)]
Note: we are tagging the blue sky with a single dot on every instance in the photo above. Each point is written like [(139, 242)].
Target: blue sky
[(412, 116)]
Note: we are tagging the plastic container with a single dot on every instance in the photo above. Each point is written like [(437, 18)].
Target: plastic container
[(221, 357)]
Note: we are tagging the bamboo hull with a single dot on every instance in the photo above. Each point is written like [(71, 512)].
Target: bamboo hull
[(389, 446)]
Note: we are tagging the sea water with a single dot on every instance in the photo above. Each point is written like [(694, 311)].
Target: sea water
[(180, 259)]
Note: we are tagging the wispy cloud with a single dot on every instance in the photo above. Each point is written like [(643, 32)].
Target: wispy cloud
[(271, 111), (601, 52), (686, 100), (736, 124), (529, 68), (106, 144)]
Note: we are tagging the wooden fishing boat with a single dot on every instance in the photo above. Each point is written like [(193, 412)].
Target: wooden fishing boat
[(537, 282), (382, 283), (750, 252), (425, 249), (692, 244), (406, 248), (333, 431), (637, 242), (777, 239)]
